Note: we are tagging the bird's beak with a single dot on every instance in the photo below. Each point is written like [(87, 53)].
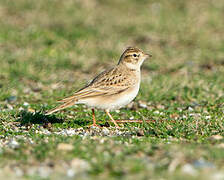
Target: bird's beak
[(148, 55)]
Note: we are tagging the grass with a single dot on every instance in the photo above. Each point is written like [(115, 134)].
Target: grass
[(48, 49)]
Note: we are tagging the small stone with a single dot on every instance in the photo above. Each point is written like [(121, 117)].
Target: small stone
[(159, 106), (25, 104), (202, 164), (10, 107), (102, 140), (55, 86), (36, 89), (179, 109), (189, 169), (18, 171), (45, 131), (217, 176), (96, 128), (11, 99), (156, 112), (21, 109), (80, 165), (219, 145), (142, 104), (13, 144), (26, 90), (67, 132), (105, 131), (216, 137), (190, 109), (65, 147), (70, 173), (44, 171)]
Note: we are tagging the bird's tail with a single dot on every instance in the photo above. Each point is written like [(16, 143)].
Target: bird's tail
[(63, 106)]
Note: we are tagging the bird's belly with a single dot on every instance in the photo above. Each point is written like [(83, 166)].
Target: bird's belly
[(111, 102)]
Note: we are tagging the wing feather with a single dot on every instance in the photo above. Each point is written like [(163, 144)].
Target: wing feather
[(107, 83)]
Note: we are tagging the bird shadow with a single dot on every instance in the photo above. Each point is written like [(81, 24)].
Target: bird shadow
[(26, 118)]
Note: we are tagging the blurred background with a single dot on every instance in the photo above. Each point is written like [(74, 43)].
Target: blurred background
[(52, 41)]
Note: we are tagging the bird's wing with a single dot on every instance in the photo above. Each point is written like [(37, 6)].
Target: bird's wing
[(108, 82)]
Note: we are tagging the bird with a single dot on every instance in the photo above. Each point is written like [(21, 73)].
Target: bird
[(113, 88)]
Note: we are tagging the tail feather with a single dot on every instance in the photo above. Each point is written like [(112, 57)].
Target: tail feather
[(63, 106), (80, 95)]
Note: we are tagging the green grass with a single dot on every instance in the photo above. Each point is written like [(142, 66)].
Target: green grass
[(48, 49)]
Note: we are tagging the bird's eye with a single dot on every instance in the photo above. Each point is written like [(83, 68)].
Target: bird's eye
[(135, 55)]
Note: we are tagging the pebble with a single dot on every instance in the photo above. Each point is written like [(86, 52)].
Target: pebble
[(45, 131), (70, 173), (160, 106), (18, 172), (217, 176), (105, 131), (13, 144), (189, 169), (44, 171), (26, 104), (66, 132), (80, 165), (21, 109), (65, 147), (142, 104), (202, 164), (179, 109), (11, 99), (219, 146), (216, 137), (10, 107)]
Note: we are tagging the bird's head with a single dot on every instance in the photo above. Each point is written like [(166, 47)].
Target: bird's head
[(133, 57)]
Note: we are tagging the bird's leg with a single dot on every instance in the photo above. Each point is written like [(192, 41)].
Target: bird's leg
[(112, 119), (94, 118)]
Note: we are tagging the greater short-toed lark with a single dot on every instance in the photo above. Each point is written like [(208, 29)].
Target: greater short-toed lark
[(113, 88)]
